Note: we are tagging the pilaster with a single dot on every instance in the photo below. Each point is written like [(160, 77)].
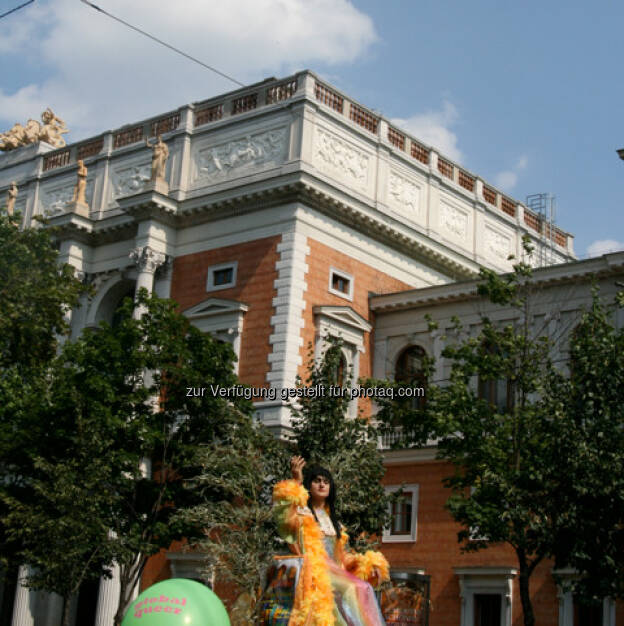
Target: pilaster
[(24, 606), (108, 599)]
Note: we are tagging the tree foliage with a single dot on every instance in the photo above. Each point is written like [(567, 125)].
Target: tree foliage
[(323, 433), (35, 295), (507, 479), (235, 483), (593, 399), (116, 429)]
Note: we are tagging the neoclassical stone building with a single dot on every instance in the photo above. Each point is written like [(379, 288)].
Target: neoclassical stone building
[(286, 211)]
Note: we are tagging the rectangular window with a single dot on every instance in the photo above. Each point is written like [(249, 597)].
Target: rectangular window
[(403, 513), (487, 609), (587, 614), (221, 276), (497, 392), (341, 284)]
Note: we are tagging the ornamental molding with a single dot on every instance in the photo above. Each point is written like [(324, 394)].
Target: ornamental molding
[(147, 259), (497, 244), (404, 193), (345, 315), (239, 156), (453, 220), (337, 157)]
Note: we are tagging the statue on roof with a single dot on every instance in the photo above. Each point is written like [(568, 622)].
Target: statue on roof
[(160, 152), (11, 197), (50, 129)]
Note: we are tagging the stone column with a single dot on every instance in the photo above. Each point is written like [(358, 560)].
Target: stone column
[(23, 609), (53, 609), (108, 599), (147, 261)]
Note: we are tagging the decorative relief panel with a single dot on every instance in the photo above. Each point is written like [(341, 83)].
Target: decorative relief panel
[(453, 221), (404, 194), (336, 156), (236, 158), (497, 244), (54, 199), (129, 179)]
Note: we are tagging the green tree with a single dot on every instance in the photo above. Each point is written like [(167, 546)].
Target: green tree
[(35, 295), (122, 392), (323, 433), (593, 444), (235, 483), (509, 478)]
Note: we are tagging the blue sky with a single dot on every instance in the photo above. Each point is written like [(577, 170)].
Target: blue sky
[(527, 95)]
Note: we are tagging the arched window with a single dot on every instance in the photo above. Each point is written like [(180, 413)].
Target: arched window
[(337, 361), (410, 370), (118, 316), (499, 391)]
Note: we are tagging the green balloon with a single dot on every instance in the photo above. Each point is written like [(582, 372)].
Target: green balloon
[(177, 602)]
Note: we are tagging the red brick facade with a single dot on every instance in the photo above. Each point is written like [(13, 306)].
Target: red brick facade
[(437, 551), (254, 287)]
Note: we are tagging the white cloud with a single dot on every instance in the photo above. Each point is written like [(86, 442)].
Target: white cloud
[(433, 128), (603, 246), (100, 74), (507, 179)]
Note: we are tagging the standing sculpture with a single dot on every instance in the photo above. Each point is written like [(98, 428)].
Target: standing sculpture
[(11, 197), (50, 131), (160, 153), (81, 184)]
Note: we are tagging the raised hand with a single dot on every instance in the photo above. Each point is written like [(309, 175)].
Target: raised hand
[(296, 467)]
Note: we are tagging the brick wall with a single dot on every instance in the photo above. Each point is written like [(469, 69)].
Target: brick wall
[(437, 552), (254, 287)]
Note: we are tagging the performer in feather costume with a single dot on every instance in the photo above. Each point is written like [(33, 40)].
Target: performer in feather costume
[(331, 586)]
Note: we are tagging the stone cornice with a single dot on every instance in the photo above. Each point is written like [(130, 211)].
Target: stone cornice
[(247, 199), (574, 271)]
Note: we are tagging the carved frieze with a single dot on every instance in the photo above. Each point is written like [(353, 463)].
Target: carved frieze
[(497, 244), (453, 221), (54, 198), (130, 179), (241, 156), (339, 158), (404, 194)]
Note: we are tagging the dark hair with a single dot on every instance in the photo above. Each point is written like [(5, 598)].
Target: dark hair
[(312, 472)]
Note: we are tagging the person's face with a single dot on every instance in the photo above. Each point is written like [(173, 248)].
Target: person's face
[(319, 488)]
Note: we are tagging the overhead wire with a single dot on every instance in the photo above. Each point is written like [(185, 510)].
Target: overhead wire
[(21, 6), (160, 41)]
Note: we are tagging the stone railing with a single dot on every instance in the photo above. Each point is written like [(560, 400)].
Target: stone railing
[(274, 92), (125, 136), (403, 142)]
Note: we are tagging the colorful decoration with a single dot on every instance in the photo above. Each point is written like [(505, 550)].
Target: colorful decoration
[(177, 602)]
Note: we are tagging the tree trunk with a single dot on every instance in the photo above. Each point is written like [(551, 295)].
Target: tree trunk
[(66, 610), (525, 598), (129, 577)]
